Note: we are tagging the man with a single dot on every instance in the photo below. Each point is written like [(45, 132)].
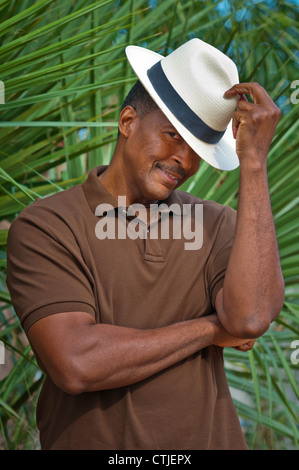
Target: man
[(130, 329)]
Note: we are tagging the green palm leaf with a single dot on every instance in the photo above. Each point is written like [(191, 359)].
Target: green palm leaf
[(65, 76)]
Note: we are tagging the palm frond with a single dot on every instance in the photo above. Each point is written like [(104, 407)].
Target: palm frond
[(65, 76)]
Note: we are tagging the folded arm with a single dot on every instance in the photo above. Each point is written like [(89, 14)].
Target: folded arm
[(80, 355)]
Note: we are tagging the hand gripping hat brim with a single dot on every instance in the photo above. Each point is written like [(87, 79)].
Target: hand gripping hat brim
[(188, 86)]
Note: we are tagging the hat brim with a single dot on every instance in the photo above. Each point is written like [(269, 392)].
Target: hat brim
[(221, 155)]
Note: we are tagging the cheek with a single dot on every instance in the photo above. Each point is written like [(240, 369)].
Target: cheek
[(196, 164), (194, 168), (151, 153)]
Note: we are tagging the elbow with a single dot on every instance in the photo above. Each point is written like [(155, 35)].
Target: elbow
[(71, 387), (253, 329), (254, 319), (75, 377), (253, 324), (68, 378), (246, 329)]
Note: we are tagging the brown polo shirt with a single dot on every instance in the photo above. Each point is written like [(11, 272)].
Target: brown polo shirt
[(60, 260)]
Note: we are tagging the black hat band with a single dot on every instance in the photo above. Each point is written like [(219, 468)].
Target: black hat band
[(179, 108)]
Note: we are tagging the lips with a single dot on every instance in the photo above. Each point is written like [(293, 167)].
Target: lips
[(173, 176), (169, 176)]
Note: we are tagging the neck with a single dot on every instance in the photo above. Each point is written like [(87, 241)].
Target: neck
[(113, 178)]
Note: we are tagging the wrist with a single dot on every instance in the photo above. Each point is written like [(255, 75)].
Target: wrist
[(254, 164), (214, 326)]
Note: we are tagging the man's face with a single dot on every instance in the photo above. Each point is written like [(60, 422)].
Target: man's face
[(156, 158)]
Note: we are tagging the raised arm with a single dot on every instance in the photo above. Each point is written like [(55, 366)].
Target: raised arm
[(253, 290)]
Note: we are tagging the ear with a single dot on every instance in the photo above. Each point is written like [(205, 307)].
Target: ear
[(127, 119)]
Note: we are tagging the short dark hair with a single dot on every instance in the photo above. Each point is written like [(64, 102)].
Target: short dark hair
[(140, 100)]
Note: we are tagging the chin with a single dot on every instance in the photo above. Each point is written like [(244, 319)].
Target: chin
[(153, 190), (159, 194)]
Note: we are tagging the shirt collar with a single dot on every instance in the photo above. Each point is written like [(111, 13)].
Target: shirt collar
[(96, 193)]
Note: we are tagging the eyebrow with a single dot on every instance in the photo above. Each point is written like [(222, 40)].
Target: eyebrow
[(169, 127)]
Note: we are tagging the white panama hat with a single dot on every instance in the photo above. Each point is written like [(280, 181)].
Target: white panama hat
[(188, 86)]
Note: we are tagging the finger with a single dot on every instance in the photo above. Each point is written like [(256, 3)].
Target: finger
[(254, 90), (245, 106), (243, 97), (237, 119), (244, 347)]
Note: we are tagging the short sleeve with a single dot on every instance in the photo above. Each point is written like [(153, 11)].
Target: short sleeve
[(221, 235), (45, 271)]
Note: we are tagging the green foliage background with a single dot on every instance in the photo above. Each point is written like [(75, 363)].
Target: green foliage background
[(65, 74)]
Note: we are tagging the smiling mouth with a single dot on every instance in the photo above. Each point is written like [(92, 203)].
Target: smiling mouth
[(169, 176), (173, 177)]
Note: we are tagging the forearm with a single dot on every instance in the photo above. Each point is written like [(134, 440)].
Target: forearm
[(253, 288), (112, 356), (82, 356)]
